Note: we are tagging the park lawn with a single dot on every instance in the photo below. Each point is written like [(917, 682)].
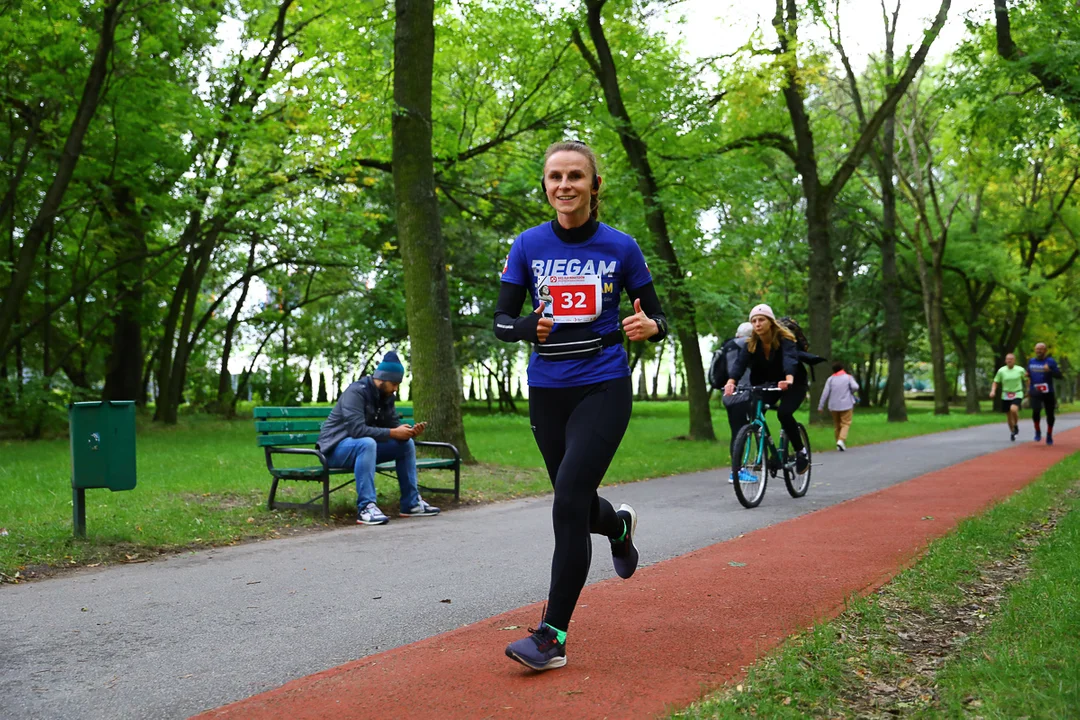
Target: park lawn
[(205, 483), (984, 625)]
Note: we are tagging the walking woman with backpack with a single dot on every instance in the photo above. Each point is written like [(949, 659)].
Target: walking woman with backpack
[(773, 356), (839, 392), (573, 270)]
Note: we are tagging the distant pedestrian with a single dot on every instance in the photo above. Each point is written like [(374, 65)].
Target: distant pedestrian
[(1042, 369), (1012, 379), (839, 392)]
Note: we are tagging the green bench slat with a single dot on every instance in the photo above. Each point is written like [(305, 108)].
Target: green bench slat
[(433, 463), (291, 412), (287, 426), (287, 439), (297, 473)]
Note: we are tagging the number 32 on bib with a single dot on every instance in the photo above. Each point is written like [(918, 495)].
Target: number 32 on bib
[(571, 298)]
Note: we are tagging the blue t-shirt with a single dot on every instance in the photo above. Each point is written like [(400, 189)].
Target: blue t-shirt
[(615, 257), (1042, 372)]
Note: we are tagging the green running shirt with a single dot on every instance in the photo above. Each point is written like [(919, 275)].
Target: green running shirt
[(1011, 381)]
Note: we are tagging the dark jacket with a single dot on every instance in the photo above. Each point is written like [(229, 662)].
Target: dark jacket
[(361, 411), (772, 369)]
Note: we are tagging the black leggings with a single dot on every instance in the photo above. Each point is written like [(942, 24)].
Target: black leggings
[(789, 402), (1046, 402), (738, 415), (578, 430)]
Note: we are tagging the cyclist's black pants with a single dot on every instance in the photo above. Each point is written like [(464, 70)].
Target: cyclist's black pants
[(1046, 402), (578, 431), (789, 402)]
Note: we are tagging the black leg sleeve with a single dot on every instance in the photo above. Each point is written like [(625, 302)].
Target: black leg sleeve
[(593, 431)]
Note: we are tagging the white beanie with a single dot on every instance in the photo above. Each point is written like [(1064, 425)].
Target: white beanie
[(763, 309), (745, 330)]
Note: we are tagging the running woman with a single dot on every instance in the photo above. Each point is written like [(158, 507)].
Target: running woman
[(773, 357), (574, 269), (1011, 377), (1042, 369)]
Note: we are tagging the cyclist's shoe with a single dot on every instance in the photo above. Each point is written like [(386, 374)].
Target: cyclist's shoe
[(841, 446), (802, 462), (731, 477), (370, 514), (1038, 436), (745, 476), (1049, 439), (624, 554), (540, 651)]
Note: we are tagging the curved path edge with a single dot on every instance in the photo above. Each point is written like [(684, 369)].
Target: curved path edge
[(677, 629)]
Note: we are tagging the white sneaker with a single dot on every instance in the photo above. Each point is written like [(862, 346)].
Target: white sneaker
[(370, 514), (421, 510), (841, 446)]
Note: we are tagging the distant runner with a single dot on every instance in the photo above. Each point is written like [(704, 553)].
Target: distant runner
[(1012, 379), (1042, 369)]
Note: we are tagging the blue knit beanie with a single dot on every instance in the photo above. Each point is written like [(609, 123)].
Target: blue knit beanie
[(390, 369)]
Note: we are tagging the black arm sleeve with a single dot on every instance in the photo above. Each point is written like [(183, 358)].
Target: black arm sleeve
[(509, 325), (650, 305)]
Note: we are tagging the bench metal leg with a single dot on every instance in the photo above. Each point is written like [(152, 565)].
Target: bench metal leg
[(457, 483), (326, 498), (273, 492)]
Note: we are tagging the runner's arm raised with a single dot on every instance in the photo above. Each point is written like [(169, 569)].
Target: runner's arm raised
[(510, 326), (650, 305)]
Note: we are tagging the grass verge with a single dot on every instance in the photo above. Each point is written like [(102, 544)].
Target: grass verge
[(203, 482), (986, 624)]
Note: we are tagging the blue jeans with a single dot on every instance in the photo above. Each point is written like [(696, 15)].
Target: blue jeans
[(362, 454)]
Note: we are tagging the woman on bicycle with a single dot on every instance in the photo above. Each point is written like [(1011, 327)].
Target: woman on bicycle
[(773, 357), (574, 269)]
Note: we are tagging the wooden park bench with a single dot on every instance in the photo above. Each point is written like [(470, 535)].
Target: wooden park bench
[(282, 429)]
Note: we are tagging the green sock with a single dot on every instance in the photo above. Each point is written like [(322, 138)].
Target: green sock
[(623, 536), (559, 634)]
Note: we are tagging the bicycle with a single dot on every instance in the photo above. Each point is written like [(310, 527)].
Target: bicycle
[(755, 454)]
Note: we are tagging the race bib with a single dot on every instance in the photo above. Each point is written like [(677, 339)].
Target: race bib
[(1010, 396), (571, 298), (1042, 387)]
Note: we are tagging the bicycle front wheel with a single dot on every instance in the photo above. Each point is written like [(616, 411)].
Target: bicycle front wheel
[(797, 485), (749, 466)]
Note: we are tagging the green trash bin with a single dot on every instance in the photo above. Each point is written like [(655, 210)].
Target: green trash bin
[(102, 451)]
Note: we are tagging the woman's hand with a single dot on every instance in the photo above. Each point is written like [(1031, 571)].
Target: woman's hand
[(639, 326), (729, 387), (544, 325), (786, 383)]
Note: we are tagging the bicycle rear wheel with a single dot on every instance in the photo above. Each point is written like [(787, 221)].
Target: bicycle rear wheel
[(797, 485), (749, 466)]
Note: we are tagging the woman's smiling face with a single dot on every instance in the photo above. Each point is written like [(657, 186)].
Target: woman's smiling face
[(568, 177)]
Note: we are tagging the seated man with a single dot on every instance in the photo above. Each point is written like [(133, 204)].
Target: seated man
[(363, 429)]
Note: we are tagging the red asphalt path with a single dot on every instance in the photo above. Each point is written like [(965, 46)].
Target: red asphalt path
[(640, 647)]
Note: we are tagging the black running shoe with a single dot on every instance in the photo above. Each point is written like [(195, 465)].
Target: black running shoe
[(624, 554), (540, 651)]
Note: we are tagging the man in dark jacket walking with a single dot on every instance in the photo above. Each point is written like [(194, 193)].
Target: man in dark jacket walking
[(363, 430)]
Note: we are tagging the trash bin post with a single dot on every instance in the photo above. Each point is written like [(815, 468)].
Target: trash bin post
[(78, 509)]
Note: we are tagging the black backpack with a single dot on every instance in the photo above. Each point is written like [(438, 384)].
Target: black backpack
[(800, 337)]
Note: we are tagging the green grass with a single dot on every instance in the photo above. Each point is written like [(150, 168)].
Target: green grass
[(204, 482), (1025, 663)]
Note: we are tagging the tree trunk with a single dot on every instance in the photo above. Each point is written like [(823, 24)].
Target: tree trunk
[(123, 379), (680, 305), (419, 231)]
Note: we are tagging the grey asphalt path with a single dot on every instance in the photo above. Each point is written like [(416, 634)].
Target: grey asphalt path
[(176, 636)]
